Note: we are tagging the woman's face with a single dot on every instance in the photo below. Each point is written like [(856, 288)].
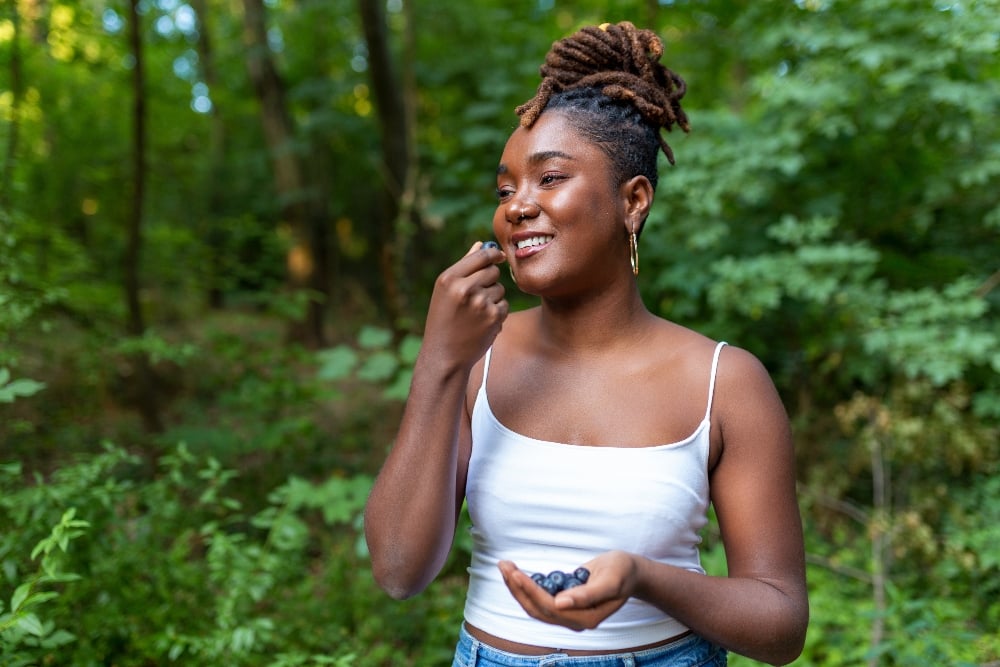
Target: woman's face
[(560, 219)]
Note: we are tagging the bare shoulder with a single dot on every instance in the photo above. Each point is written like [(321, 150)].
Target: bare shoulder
[(741, 369), (512, 335), (686, 349), (747, 405), (518, 330)]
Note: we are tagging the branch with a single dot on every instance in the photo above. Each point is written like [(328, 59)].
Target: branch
[(848, 508), (846, 570), (988, 285)]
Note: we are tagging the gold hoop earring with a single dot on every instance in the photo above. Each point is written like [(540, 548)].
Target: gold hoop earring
[(633, 253), (510, 270)]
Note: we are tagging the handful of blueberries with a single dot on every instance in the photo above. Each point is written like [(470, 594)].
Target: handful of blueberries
[(557, 580)]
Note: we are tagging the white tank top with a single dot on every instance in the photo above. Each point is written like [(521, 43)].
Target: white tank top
[(552, 506)]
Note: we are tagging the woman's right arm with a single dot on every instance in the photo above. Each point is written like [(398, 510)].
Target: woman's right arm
[(412, 511)]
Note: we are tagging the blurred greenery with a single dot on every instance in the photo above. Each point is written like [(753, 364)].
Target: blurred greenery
[(834, 210)]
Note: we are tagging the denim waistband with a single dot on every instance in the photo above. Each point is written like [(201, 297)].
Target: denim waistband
[(689, 651)]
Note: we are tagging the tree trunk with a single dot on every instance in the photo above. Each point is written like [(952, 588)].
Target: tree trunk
[(143, 380), (881, 524), (210, 224), (396, 107), (305, 261), (16, 90)]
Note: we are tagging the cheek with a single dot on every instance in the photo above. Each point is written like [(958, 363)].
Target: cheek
[(584, 206), (499, 222)]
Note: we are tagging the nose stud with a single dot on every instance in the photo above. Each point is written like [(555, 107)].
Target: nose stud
[(524, 211)]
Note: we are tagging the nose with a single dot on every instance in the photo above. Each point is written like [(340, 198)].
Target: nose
[(520, 209)]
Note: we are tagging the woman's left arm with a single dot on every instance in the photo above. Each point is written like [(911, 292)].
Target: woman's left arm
[(761, 608)]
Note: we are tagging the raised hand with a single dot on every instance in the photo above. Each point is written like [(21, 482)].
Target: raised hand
[(467, 308)]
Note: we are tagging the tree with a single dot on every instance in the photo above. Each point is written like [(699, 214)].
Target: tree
[(144, 379), (17, 92), (298, 200), (395, 101), (822, 221), (833, 210), (215, 198)]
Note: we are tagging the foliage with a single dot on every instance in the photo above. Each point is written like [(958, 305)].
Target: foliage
[(379, 362), (27, 288), (21, 628), (833, 210), (208, 582), (11, 389)]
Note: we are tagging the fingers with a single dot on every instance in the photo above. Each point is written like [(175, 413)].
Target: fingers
[(495, 296), (532, 597), (578, 608), (574, 599), (487, 253), (479, 265), (467, 308), (540, 604)]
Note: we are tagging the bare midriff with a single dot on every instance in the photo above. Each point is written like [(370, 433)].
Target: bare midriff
[(530, 649)]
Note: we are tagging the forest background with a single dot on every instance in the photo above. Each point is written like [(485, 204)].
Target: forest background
[(220, 221)]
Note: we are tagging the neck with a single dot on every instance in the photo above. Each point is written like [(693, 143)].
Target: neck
[(594, 322)]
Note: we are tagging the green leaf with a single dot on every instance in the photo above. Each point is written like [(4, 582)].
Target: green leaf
[(400, 387), (337, 363), (40, 597), (20, 595), (409, 348), (58, 638), (289, 533), (31, 624), (243, 639), (19, 388), (371, 338), (378, 367)]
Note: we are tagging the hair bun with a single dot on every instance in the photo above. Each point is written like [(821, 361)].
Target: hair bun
[(624, 63), (606, 48)]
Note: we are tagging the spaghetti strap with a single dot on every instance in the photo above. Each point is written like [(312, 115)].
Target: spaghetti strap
[(711, 382), (486, 368)]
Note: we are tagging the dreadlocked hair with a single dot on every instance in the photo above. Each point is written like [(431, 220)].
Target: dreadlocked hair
[(611, 84)]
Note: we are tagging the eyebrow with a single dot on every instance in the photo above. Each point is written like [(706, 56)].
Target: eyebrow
[(540, 156)]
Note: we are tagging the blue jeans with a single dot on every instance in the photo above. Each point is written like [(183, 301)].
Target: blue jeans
[(690, 651)]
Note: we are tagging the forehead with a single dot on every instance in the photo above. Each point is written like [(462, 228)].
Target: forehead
[(552, 137)]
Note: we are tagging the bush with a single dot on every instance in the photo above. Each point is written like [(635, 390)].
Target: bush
[(171, 569)]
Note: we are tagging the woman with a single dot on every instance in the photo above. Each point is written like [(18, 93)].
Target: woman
[(587, 431)]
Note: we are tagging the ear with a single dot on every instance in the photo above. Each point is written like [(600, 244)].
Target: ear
[(637, 195)]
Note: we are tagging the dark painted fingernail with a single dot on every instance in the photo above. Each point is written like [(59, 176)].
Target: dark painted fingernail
[(491, 244)]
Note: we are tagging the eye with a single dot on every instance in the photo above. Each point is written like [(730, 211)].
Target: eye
[(503, 192), (551, 179)]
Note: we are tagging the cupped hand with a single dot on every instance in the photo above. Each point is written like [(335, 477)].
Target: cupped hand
[(611, 582), (467, 308)]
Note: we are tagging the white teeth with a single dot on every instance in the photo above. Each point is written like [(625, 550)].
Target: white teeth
[(533, 241)]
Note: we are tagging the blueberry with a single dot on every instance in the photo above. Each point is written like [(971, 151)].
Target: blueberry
[(490, 244), (557, 580), (550, 586)]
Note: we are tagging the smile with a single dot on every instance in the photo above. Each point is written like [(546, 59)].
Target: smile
[(533, 241)]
